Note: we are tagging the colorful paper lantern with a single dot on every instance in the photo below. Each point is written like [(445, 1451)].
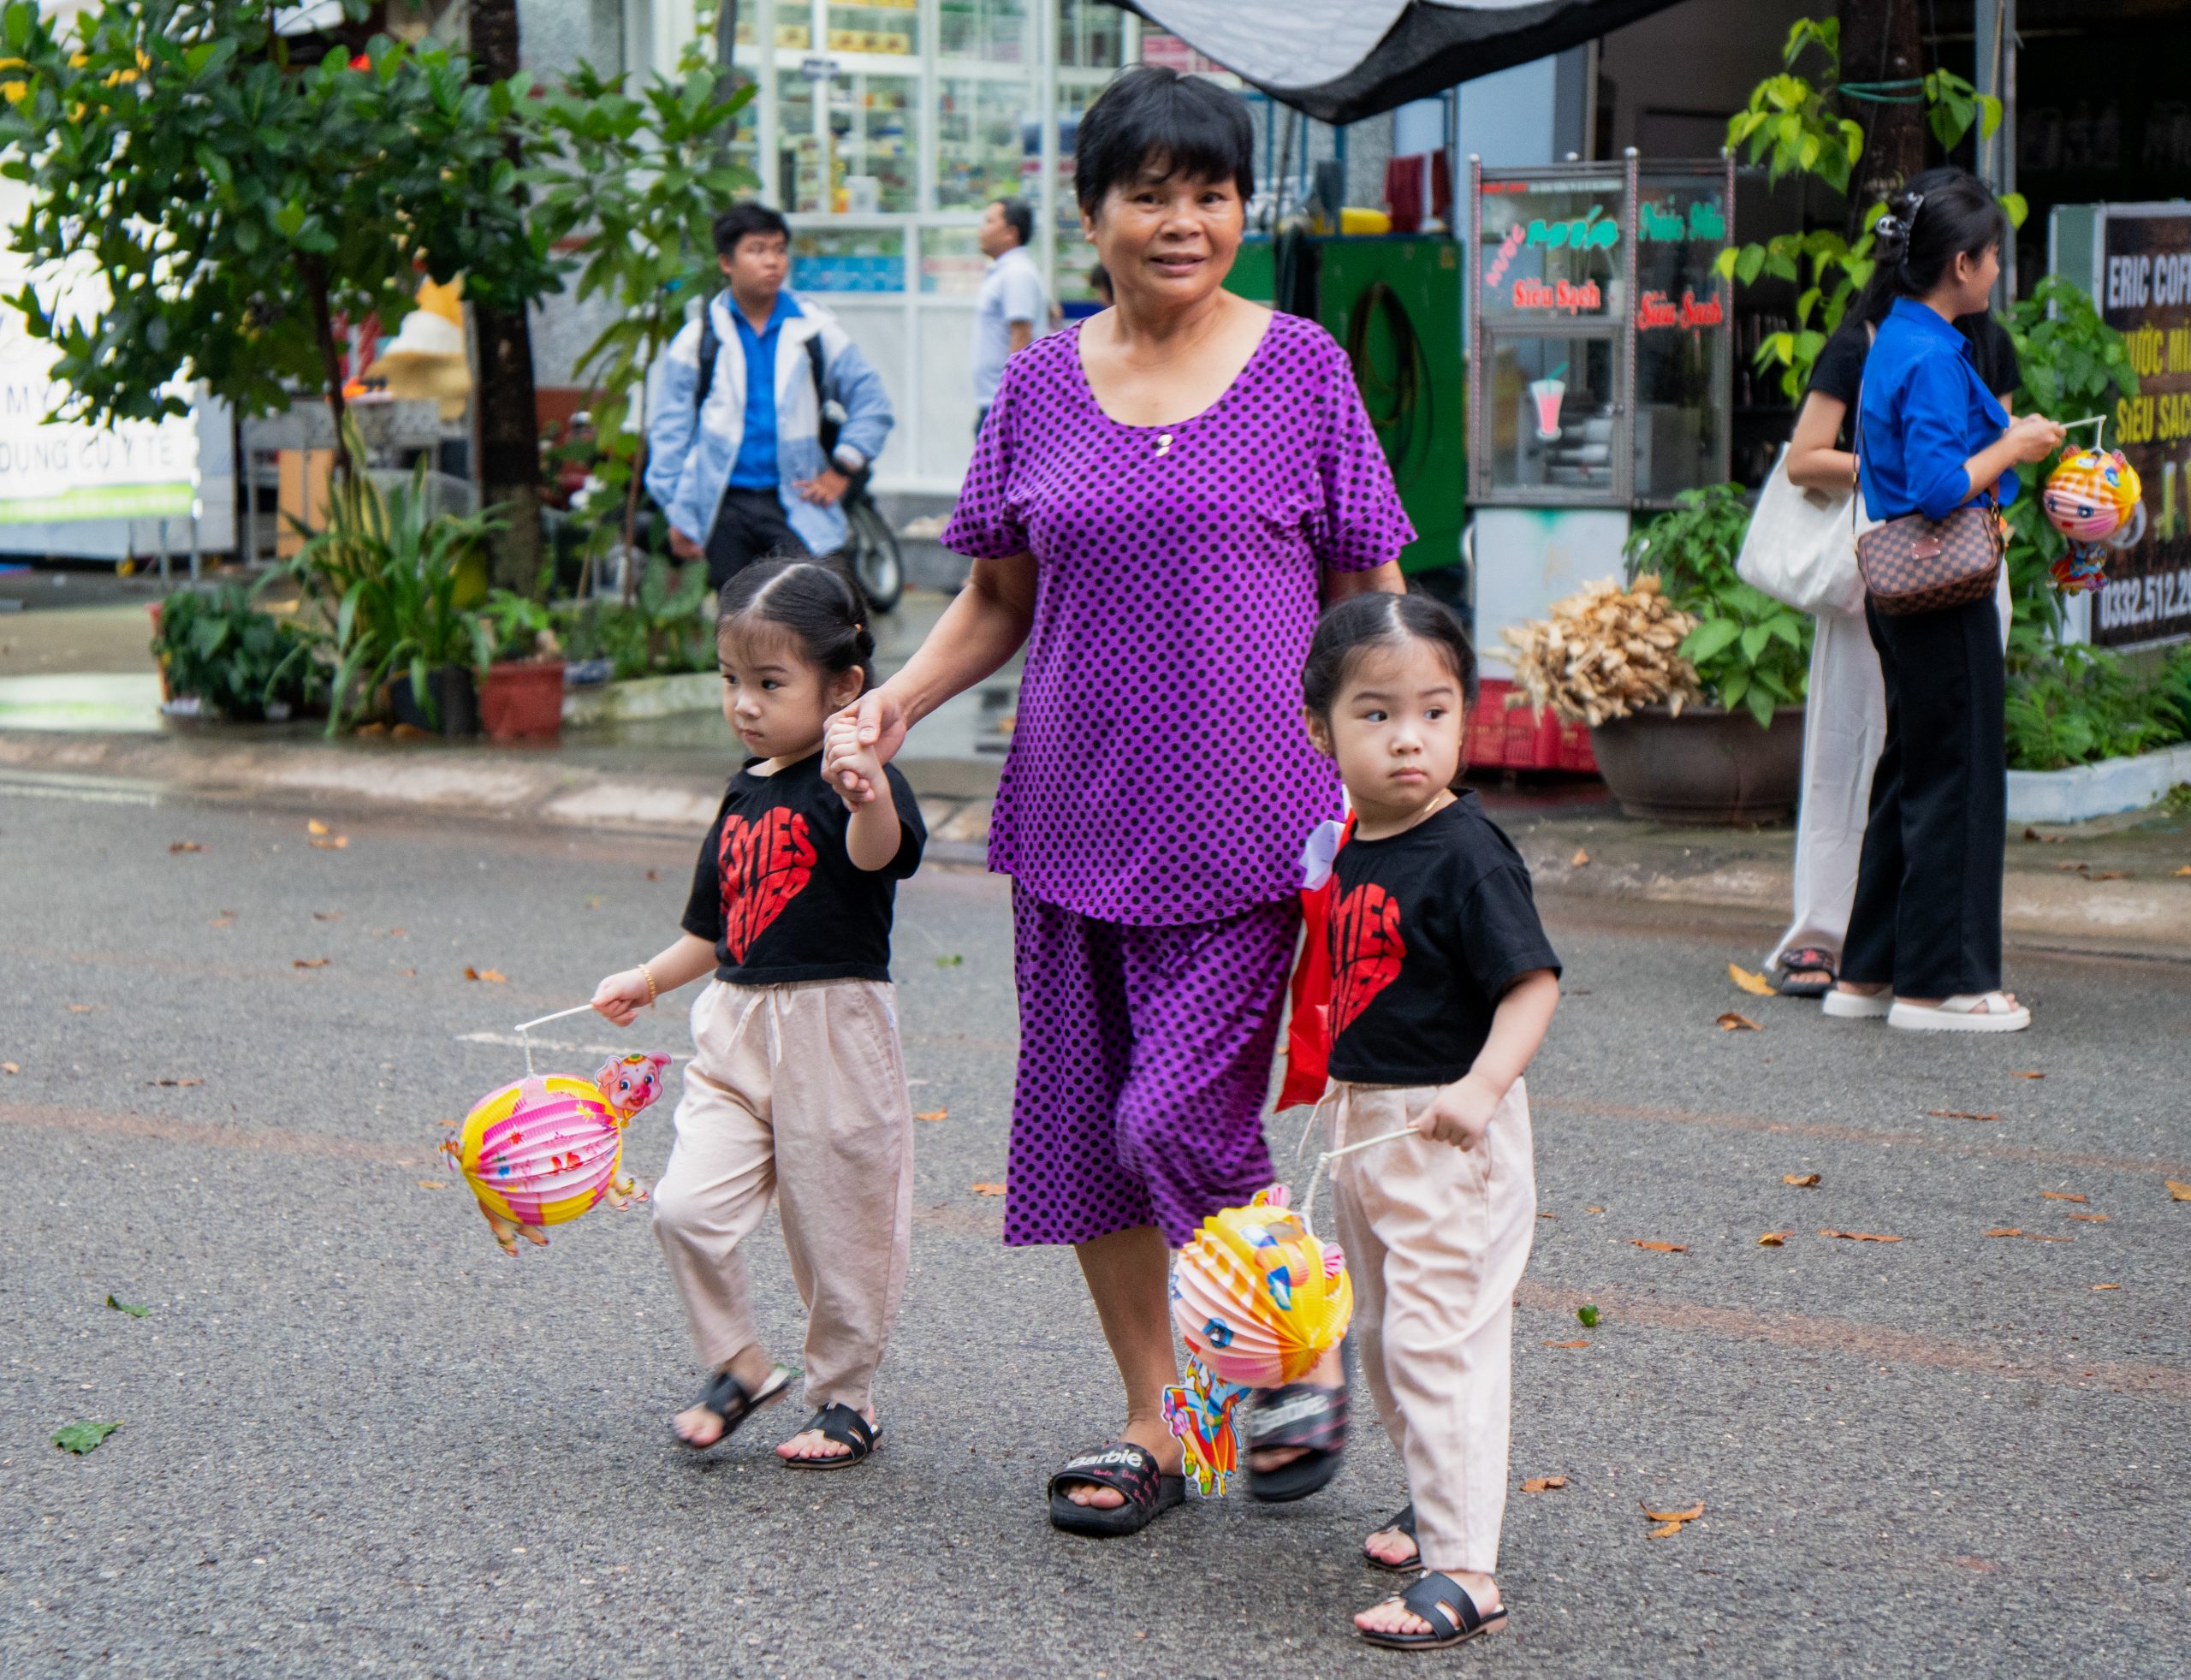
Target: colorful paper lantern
[(543, 1149), (2092, 499), (1257, 1297)]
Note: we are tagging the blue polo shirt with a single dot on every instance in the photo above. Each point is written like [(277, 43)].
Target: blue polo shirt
[(1926, 412), (755, 469)]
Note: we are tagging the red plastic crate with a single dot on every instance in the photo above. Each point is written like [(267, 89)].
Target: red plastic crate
[(1523, 738)]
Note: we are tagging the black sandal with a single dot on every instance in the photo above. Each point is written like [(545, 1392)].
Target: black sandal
[(1403, 1520), (1811, 959), (846, 1427), (732, 1402), (1299, 1414), (1132, 1471), (1439, 1600)]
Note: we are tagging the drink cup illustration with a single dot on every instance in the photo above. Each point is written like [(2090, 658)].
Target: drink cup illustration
[(1546, 394)]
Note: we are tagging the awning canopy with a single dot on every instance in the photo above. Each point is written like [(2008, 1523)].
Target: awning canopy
[(1339, 60)]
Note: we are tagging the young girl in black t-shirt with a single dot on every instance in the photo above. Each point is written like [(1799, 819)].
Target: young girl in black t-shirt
[(796, 1083), (1442, 987)]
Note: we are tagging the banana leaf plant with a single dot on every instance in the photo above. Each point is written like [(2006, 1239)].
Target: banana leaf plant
[(400, 586)]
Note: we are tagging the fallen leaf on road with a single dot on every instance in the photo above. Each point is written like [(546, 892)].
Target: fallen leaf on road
[(2091, 1219), (184, 846), (2186, 870), (186, 1084), (1688, 1516), (654, 874), (11, 1067), (1773, 1239), (2098, 1287), (1594, 1210), (2045, 840), (432, 1184), (391, 933), (2177, 1192), (124, 1307), (221, 922), (315, 826), (327, 916), (1860, 1236), (2063, 1196), (84, 1008), (1755, 984), (411, 731), (1548, 1216), (1958, 1114), (1579, 859), (1663, 1530), (1661, 1248), (954, 961), (1801, 1181), (2112, 874), (1730, 1021), (1543, 1484), (2073, 869), (493, 977), (1587, 1315), (2014, 1075), (340, 843), (935, 1115), (1567, 1344), (2029, 1236), (309, 962), (81, 1438), (988, 1190)]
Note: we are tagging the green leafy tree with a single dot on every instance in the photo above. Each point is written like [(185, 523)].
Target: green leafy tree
[(637, 181), (239, 205), (1794, 126)]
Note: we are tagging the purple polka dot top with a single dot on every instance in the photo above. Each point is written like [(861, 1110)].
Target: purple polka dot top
[(1159, 773)]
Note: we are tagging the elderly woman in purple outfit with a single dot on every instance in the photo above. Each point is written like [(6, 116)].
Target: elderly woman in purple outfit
[(1161, 500)]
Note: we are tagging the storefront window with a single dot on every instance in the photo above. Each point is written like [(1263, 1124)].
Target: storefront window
[(979, 144), (1091, 34), (1681, 305), (996, 31), (852, 259), (886, 27), (952, 264), (872, 125)]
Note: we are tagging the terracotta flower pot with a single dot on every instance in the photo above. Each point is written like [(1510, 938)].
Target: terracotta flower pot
[(1705, 766), (522, 699)]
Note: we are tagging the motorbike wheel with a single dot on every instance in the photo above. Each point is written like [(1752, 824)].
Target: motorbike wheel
[(872, 547)]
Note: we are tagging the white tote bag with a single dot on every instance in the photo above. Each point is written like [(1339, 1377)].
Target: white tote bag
[(1801, 546)]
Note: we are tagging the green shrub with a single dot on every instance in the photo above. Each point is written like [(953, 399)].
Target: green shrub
[(661, 633), (1748, 650), (237, 659), (2079, 705)]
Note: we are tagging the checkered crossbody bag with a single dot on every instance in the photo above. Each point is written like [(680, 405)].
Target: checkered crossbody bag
[(1917, 564)]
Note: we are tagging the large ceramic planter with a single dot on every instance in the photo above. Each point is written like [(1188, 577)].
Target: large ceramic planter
[(523, 700), (1705, 766)]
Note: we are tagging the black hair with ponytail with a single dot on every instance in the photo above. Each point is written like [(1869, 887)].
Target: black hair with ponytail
[(814, 604), (1937, 217)]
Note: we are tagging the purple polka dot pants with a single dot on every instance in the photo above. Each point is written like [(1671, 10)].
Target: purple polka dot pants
[(1145, 1063)]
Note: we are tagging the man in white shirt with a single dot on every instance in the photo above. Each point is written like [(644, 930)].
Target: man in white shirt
[(1012, 308)]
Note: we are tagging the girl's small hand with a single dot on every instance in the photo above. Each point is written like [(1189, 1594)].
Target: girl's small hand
[(849, 762), (1460, 1113), (621, 996)]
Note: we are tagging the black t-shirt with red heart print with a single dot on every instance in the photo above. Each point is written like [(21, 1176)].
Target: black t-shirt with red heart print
[(777, 893), (1427, 930)]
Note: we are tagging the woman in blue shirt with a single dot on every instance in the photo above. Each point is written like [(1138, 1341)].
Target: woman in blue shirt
[(1924, 946)]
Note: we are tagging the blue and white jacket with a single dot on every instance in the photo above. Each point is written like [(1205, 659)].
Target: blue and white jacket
[(689, 469)]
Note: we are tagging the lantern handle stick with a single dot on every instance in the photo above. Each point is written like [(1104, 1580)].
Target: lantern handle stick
[(526, 1026), (1308, 1201), (2100, 436)]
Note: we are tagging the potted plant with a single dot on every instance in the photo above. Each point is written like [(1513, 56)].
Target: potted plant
[(395, 584), (521, 692), (235, 660)]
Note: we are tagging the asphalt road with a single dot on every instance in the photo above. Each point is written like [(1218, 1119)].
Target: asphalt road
[(356, 1439)]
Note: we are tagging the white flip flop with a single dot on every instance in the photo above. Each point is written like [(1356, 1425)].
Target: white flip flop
[(1857, 1006), (1966, 1013)]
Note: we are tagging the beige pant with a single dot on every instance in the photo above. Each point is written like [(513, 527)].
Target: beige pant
[(1436, 1238), (799, 1090)]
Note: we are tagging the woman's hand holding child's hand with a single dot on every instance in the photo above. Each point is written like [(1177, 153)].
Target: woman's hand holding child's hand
[(850, 760), (621, 996), (1461, 1113)]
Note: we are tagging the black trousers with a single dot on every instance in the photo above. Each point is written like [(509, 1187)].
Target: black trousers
[(749, 525), (1927, 913)]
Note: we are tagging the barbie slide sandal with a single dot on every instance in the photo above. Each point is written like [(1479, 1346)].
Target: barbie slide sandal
[(1987, 1012)]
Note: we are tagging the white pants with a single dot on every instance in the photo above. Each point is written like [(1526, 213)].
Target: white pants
[(1845, 728)]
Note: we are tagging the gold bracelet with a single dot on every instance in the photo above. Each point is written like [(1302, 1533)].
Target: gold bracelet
[(647, 974)]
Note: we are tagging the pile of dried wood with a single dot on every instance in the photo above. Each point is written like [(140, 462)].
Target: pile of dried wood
[(1603, 653)]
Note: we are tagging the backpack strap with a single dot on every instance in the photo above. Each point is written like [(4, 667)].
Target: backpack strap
[(710, 348), (826, 429)]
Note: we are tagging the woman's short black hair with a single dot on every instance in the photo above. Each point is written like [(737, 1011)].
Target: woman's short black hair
[(814, 603), (1152, 121), (1353, 626), (1938, 215), (740, 220)]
